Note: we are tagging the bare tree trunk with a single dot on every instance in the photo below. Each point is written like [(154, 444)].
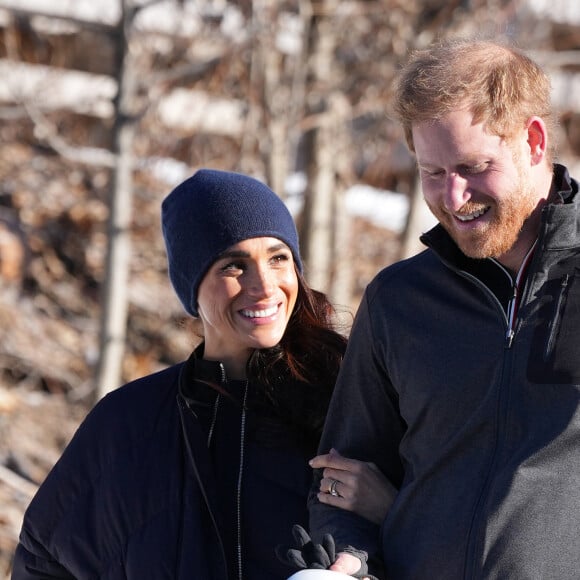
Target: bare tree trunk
[(318, 218), (321, 211), (115, 284), (275, 105), (410, 243), (270, 115), (340, 290)]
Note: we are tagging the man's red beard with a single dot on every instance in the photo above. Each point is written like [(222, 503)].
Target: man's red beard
[(492, 239)]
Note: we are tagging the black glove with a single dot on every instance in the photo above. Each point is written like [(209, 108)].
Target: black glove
[(307, 554)]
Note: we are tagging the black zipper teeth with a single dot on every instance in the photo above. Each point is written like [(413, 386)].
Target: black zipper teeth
[(555, 322)]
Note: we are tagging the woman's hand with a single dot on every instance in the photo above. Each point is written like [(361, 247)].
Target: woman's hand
[(353, 485)]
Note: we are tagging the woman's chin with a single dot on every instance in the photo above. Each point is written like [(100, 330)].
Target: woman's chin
[(270, 341)]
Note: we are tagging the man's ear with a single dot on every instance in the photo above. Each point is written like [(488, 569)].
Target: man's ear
[(537, 139)]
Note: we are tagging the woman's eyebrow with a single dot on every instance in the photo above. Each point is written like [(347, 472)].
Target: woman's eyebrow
[(245, 254), (233, 254), (278, 247)]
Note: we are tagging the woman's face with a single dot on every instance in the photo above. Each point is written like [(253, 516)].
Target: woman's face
[(246, 298)]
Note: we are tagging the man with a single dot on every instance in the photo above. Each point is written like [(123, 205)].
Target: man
[(461, 381)]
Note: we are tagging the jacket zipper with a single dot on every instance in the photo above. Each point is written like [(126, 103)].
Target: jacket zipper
[(555, 322), (240, 476), (469, 562), (510, 318), (515, 299), (487, 291), (216, 406), (512, 306), (241, 465)]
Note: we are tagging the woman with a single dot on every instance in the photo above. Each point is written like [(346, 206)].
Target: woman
[(200, 471)]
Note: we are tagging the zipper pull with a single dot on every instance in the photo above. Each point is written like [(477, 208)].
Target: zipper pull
[(511, 314), (509, 338)]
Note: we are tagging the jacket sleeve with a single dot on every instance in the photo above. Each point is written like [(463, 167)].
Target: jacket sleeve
[(363, 423), (55, 521), (35, 563)]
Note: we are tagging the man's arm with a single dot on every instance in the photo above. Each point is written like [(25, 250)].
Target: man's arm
[(363, 423)]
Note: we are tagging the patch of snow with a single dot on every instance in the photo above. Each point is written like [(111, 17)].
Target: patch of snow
[(166, 18), (50, 88), (166, 169), (383, 208), (233, 24), (289, 37), (196, 110), (106, 11), (565, 89), (557, 10)]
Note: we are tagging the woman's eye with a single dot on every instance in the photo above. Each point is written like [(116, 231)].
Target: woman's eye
[(231, 267), (280, 258)]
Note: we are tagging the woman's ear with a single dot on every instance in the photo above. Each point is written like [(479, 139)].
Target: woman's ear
[(537, 139)]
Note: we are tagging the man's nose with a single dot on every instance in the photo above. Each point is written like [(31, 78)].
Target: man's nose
[(456, 192)]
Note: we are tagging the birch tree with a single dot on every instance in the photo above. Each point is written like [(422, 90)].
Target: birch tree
[(115, 284)]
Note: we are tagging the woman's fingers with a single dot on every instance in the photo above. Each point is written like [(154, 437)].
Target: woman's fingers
[(334, 487), (334, 460), (354, 485)]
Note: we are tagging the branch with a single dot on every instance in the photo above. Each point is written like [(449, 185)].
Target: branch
[(188, 72), (103, 27), (17, 482), (149, 3), (87, 155)]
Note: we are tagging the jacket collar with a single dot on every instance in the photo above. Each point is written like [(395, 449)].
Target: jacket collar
[(200, 380), (197, 370), (561, 219)]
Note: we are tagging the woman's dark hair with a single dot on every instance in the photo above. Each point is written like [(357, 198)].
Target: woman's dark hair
[(311, 349), (297, 376)]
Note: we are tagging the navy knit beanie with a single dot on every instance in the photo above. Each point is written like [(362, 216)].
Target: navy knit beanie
[(208, 213)]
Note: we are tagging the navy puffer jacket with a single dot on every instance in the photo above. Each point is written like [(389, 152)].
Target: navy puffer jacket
[(135, 494)]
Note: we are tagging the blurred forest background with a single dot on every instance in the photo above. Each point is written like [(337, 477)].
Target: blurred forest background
[(105, 106)]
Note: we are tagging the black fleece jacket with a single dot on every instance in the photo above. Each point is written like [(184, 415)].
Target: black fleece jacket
[(475, 420)]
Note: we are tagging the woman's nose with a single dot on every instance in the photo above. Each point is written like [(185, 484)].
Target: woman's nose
[(261, 281)]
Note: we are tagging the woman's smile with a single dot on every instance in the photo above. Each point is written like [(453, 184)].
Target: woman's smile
[(264, 314)]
